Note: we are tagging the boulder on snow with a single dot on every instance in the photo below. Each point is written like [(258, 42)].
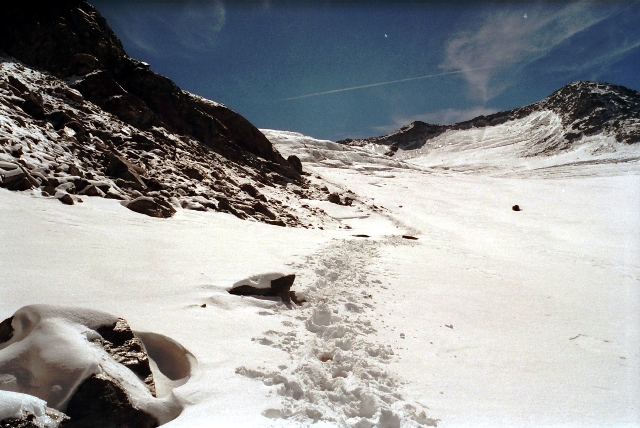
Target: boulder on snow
[(14, 177), (270, 284), (153, 207), (124, 347), (516, 208), (65, 198)]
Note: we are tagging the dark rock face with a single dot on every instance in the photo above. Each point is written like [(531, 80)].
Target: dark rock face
[(585, 108), (334, 198), (100, 402), (120, 342), (295, 163)]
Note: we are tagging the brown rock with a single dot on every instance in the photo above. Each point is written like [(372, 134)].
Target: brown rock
[(127, 349), (92, 190), (66, 199), (152, 207), (295, 163), (82, 64), (120, 167), (280, 287)]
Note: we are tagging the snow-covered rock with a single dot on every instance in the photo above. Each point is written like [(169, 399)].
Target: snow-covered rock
[(85, 363)]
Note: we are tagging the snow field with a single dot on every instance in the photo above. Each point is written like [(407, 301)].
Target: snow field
[(491, 318)]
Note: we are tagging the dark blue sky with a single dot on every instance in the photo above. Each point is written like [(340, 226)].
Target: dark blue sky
[(267, 59)]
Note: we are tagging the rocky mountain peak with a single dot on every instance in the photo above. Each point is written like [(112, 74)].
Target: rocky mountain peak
[(585, 109)]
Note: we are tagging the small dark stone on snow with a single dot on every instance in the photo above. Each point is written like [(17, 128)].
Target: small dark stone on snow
[(334, 198), (361, 235), (151, 207), (66, 199), (408, 237), (516, 208)]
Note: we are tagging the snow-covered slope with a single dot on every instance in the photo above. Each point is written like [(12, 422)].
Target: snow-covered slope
[(581, 124), (490, 317)]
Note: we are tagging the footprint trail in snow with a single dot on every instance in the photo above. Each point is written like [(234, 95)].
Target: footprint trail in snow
[(337, 371)]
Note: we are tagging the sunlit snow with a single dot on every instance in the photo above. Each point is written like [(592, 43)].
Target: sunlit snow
[(490, 318)]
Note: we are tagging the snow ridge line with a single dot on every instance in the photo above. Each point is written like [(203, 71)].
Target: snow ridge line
[(336, 371)]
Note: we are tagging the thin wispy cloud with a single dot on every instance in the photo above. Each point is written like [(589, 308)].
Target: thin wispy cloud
[(372, 85), (514, 41)]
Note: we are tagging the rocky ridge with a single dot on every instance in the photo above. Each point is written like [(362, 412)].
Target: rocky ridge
[(584, 108), (79, 117)]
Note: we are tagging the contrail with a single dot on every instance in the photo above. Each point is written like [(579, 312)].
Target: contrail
[(383, 83)]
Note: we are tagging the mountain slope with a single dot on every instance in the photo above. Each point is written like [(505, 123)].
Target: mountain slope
[(584, 109), (79, 115)]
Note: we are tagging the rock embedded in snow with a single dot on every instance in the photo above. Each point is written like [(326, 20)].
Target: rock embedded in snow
[(25, 411), (6, 330), (153, 207), (269, 284), (127, 349), (516, 207)]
